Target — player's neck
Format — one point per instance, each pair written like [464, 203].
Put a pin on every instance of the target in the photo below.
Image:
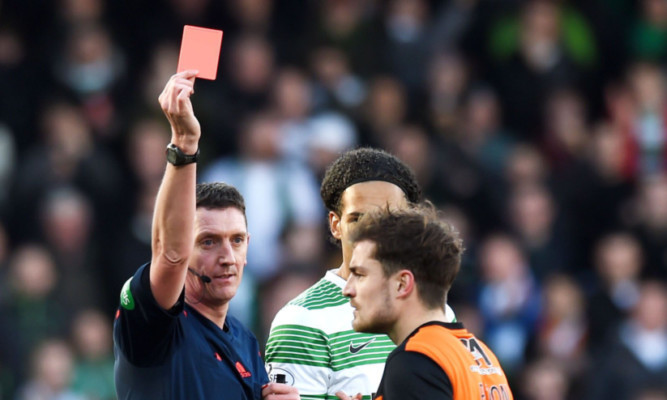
[412, 318]
[217, 314]
[344, 270]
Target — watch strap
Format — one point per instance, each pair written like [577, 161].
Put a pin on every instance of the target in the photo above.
[177, 157]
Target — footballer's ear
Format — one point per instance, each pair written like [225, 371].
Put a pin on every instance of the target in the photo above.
[405, 283]
[334, 225]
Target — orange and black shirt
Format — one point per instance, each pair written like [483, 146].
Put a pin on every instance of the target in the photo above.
[443, 361]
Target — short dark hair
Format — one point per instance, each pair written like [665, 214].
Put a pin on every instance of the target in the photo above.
[214, 195]
[416, 239]
[363, 165]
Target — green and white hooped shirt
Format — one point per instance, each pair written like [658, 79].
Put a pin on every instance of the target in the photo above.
[313, 344]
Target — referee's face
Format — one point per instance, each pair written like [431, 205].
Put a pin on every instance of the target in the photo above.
[221, 245]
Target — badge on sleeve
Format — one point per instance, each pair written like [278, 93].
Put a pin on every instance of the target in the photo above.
[126, 299]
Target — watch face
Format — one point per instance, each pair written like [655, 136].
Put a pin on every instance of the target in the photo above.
[176, 157]
[172, 157]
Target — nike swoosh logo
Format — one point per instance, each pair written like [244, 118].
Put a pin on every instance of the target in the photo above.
[355, 349]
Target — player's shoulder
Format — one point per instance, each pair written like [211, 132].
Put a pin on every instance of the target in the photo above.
[322, 308]
[436, 335]
[323, 294]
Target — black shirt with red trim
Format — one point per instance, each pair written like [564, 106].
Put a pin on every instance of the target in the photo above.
[180, 354]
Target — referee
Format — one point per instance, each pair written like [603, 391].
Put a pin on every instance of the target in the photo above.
[173, 338]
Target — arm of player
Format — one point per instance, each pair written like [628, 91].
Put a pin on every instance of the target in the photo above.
[173, 219]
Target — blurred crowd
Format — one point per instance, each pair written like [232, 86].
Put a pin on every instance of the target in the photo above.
[539, 128]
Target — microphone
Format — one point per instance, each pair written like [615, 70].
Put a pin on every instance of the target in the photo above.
[204, 278]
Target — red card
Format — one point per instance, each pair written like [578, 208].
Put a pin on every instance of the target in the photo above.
[200, 50]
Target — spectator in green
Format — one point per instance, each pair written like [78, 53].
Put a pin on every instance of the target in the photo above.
[574, 32]
[648, 38]
[93, 364]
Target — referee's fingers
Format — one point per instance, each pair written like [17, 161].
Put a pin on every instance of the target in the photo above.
[342, 395]
[280, 391]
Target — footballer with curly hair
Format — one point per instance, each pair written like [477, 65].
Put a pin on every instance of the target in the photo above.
[312, 341]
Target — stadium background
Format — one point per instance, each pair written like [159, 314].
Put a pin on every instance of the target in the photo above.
[539, 127]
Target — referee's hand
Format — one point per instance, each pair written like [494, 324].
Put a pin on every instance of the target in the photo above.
[343, 396]
[280, 391]
[177, 107]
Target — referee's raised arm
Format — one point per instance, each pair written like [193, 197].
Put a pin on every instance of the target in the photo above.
[174, 216]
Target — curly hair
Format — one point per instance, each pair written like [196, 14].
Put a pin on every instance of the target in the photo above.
[363, 165]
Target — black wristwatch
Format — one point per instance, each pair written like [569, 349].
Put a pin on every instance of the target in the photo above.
[176, 157]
